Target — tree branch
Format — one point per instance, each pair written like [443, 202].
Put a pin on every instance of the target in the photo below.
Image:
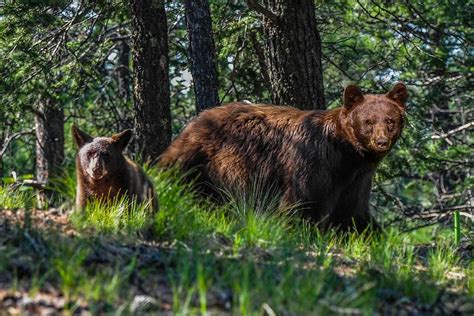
[257, 7]
[453, 131]
[12, 138]
[260, 59]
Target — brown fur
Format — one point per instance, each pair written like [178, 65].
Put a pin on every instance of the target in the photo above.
[323, 160]
[103, 172]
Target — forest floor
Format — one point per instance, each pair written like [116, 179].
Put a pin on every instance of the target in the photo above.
[199, 261]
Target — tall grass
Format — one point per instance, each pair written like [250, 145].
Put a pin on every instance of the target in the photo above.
[119, 215]
[12, 199]
[442, 259]
[64, 187]
[256, 218]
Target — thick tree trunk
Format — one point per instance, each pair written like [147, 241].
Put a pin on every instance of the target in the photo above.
[292, 50]
[151, 81]
[49, 129]
[202, 53]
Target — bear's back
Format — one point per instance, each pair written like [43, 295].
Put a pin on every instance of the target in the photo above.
[237, 144]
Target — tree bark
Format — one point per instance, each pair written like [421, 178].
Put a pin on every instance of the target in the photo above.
[49, 129]
[2, 140]
[151, 81]
[292, 49]
[123, 79]
[123, 71]
[202, 53]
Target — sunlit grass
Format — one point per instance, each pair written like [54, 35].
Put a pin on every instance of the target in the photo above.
[261, 257]
[120, 215]
[12, 199]
[256, 218]
[181, 215]
[470, 278]
[35, 261]
[393, 265]
[294, 253]
[441, 260]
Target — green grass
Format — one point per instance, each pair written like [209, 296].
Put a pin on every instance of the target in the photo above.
[65, 265]
[442, 258]
[12, 199]
[64, 187]
[119, 216]
[248, 255]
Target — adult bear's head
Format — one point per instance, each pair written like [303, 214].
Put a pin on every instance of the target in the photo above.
[373, 122]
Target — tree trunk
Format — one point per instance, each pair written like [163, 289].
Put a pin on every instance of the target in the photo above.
[49, 129]
[151, 81]
[2, 140]
[123, 71]
[122, 76]
[292, 51]
[202, 53]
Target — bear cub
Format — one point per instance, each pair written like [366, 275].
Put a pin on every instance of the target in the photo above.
[321, 161]
[103, 172]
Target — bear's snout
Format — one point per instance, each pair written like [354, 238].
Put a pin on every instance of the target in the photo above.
[382, 143]
[96, 168]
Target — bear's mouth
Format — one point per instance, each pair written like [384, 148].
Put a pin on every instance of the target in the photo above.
[380, 148]
[100, 177]
[96, 175]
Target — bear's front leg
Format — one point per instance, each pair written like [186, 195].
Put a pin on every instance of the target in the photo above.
[352, 210]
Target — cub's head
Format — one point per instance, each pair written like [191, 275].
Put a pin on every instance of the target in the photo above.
[374, 121]
[99, 157]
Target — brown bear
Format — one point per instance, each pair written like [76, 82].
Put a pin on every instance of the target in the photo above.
[103, 172]
[322, 161]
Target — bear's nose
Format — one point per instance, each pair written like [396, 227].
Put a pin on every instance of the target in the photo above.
[97, 171]
[382, 143]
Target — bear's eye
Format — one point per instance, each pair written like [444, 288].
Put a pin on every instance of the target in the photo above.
[90, 154]
[369, 122]
[390, 121]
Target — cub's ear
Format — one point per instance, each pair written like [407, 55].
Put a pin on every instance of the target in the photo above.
[80, 138]
[121, 139]
[352, 96]
[398, 94]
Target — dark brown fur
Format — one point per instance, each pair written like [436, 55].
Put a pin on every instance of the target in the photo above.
[103, 172]
[323, 160]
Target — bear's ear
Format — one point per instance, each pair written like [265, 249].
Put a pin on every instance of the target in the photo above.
[80, 138]
[352, 96]
[121, 139]
[398, 94]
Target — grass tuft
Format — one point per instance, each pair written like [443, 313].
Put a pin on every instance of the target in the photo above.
[257, 218]
[117, 216]
[12, 199]
[442, 259]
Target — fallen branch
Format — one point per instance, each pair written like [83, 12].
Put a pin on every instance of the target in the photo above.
[29, 183]
[454, 131]
[441, 215]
